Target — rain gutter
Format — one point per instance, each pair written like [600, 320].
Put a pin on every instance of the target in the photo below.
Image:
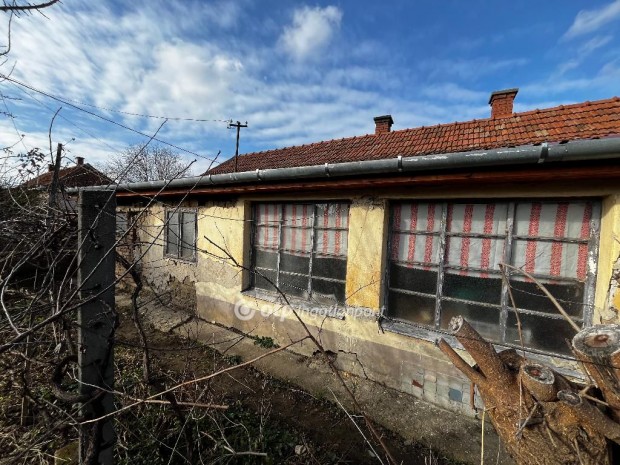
[579, 150]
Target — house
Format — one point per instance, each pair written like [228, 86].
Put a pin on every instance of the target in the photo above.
[80, 175]
[379, 240]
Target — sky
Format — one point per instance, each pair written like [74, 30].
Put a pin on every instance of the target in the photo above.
[296, 72]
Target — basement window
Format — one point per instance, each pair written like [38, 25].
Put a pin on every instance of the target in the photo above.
[444, 262]
[301, 249]
[180, 234]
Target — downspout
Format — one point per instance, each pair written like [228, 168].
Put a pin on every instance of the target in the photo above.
[581, 150]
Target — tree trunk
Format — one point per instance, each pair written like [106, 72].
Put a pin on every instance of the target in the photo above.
[541, 416]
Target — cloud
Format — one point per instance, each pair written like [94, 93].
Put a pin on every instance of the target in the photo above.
[472, 68]
[311, 31]
[583, 52]
[588, 21]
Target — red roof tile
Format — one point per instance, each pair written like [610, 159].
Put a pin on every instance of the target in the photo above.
[567, 122]
[74, 176]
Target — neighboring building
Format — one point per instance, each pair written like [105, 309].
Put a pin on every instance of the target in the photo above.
[379, 240]
[80, 175]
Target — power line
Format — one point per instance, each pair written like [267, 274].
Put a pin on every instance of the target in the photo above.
[65, 102]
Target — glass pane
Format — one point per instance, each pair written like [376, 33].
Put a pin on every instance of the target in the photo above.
[487, 290]
[413, 279]
[484, 319]
[416, 217]
[297, 239]
[539, 332]
[412, 308]
[262, 283]
[477, 218]
[294, 285]
[551, 258]
[332, 215]
[295, 263]
[331, 242]
[268, 214]
[267, 237]
[329, 267]
[188, 235]
[299, 215]
[265, 259]
[473, 252]
[172, 234]
[327, 292]
[570, 296]
[558, 219]
[415, 248]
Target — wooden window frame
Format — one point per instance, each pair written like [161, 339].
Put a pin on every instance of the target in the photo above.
[181, 227]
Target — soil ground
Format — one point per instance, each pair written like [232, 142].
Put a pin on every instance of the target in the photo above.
[324, 430]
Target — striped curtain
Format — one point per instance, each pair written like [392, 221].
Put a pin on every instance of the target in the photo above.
[566, 220]
[330, 230]
[546, 248]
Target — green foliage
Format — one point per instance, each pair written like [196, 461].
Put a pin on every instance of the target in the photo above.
[265, 342]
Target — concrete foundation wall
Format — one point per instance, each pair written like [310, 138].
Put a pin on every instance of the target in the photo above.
[218, 282]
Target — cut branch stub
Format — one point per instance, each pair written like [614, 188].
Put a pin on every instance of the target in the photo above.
[598, 347]
[482, 351]
[590, 415]
[539, 381]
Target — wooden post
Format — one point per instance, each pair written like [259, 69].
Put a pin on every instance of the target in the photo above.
[96, 321]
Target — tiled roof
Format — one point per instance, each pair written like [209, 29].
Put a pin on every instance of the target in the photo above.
[74, 176]
[586, 120]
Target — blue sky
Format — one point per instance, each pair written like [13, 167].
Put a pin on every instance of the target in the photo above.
[296, 72]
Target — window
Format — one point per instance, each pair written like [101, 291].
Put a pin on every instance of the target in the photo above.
[444, 262]
[180, 234]
[302, 248]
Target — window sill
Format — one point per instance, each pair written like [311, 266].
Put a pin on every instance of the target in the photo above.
[424, 333]
[184, 261]
[296, 303]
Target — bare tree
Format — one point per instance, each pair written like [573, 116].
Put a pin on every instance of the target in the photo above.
[146, 164]
[542, 416]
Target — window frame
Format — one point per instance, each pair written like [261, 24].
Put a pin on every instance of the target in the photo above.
[433, 333]
[181, 211]
[272, 295]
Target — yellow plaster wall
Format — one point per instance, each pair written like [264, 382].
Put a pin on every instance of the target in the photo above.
[366, 253]
[221, 232]
[609, 250]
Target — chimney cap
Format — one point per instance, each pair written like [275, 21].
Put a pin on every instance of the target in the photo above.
[498, 93]
[79, 160]
[384, 119]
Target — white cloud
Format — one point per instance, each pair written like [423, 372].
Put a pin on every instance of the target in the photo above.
[311, 31]
[588, 21]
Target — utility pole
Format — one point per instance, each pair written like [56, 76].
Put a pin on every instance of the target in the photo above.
[237, 125]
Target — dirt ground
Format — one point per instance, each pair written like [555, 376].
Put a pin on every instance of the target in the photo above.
[322, 431]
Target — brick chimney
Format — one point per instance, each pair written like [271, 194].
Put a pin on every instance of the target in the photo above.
[383, 124]
[501, 102]
[79, 160]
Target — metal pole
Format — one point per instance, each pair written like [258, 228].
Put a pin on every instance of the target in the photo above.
[96, 320]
